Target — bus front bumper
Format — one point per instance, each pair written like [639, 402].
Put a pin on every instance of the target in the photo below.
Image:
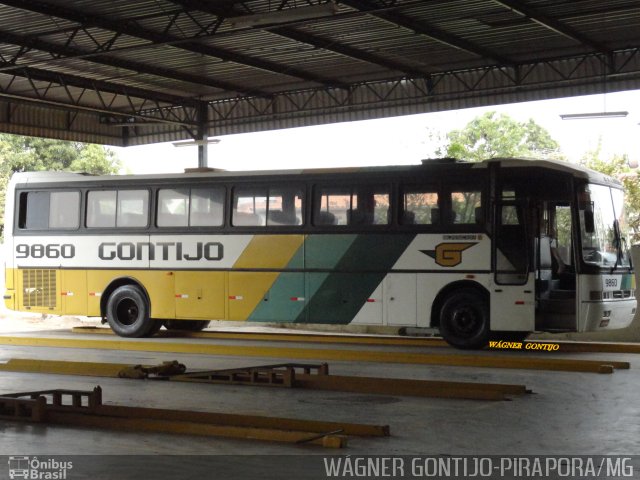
[610, 315]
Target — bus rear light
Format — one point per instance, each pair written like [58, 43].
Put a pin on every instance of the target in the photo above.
[519, 302]
[236, 297]
[297, 299]
[181, 295]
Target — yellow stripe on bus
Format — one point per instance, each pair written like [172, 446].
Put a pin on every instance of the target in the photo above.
[269, 251]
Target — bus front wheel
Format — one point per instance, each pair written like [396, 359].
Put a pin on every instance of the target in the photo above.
[128, 312]
[464, 319]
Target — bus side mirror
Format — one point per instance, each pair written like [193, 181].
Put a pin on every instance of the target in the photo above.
[589, 223]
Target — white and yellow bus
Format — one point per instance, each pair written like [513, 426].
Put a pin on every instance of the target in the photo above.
[498, 248]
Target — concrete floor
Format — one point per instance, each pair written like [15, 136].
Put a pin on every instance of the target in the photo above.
[569, 413]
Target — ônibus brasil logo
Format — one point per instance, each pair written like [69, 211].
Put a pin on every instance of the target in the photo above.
[33, 468]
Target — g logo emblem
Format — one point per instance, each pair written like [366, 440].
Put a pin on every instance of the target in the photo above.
[448, 254]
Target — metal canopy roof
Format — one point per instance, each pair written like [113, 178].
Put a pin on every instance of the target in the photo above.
[127, 72]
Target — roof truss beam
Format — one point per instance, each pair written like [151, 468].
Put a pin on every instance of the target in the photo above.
[132, 29]
[347, 51]
[442, 91]
[46, 87]
[426, 30]
[309, 39]
[61, 52]
[553, 25]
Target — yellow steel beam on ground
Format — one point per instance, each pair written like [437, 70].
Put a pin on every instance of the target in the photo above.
[112, 370]
[384, 386]
[93, 369]
[288, 337]
[453, 359]
[313, 426]
[400, 386]
[84, 408]
[566, 346]
[594, 347]
[194, 428]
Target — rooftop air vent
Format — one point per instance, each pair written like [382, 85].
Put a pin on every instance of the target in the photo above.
[446, 160]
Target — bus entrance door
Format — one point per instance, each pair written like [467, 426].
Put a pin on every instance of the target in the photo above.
[556, 284]
[512, 293]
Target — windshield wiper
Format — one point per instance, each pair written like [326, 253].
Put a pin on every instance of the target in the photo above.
[616, 233]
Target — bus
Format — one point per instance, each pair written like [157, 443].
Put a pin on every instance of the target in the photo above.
[489, 250]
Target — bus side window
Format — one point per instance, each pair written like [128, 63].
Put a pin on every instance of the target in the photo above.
[196, 207]
[173, 207]
[133, 208]
[285, 206]
[206, 207]
[362, 205]
[101, 209]
[117, 208]
[249, 207]
[466, 207]
[381, 212]
[49, 210]
[64, 210]
[420, 207]
[34, 211]
[333, 206]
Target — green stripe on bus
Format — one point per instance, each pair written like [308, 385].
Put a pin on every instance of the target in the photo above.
[338, 296]
[627, 282]
[286, 298]
[289, 294]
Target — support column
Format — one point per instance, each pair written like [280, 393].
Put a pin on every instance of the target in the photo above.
[203, 133]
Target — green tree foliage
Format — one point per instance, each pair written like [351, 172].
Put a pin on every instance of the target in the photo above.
[618, 167]
[23, 154]
[498, 135]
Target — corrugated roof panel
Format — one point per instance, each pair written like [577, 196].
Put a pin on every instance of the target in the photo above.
[274, 77]
[28, 23]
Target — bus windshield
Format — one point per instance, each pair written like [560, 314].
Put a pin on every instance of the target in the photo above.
[605, 242]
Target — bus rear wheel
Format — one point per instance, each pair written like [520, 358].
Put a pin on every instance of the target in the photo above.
[128, 312]
[464, 319]
[186, 325]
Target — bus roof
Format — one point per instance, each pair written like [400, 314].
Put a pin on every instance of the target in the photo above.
[559, 165]
[575, 170]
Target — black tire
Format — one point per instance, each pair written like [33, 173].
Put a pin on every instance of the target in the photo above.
[464, 319]
[186, 325]
[155, 328]
[128, 312]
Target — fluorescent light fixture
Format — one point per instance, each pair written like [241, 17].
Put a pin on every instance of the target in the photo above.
[278, 17]
[591, 115]
[192, 143]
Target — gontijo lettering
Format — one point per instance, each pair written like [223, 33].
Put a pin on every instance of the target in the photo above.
[213, 251]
